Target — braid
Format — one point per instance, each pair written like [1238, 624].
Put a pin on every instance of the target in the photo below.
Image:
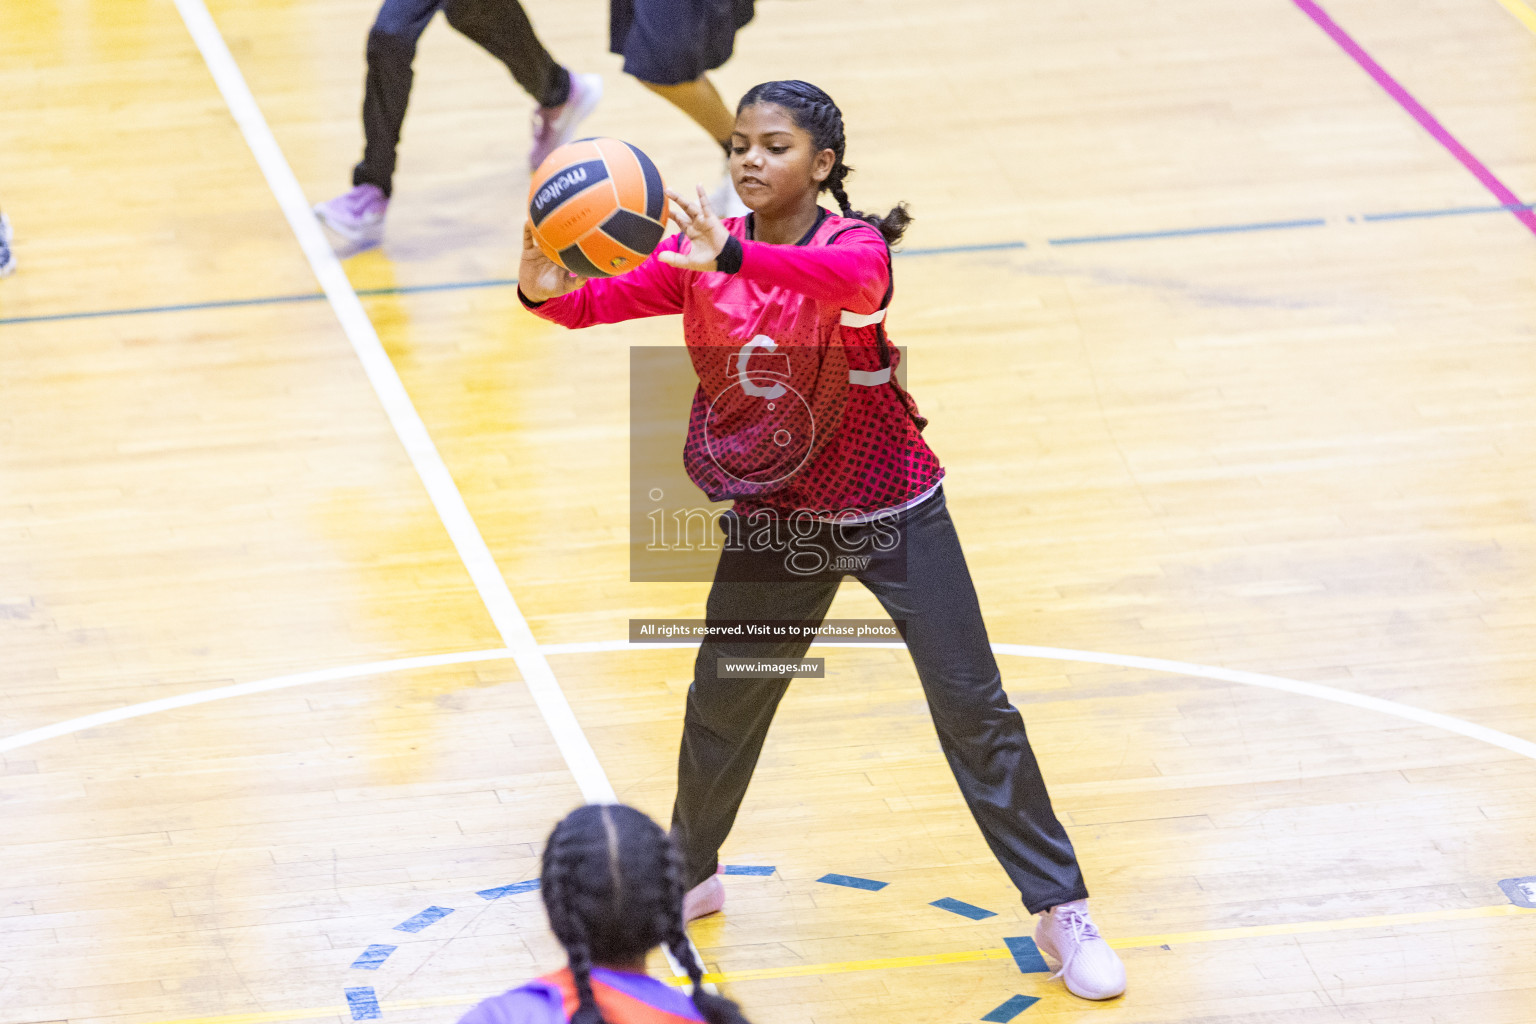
[815, 112]
[670, 911]
[566, 923]
[715, 1009]
[587, 1011]
[613, 885]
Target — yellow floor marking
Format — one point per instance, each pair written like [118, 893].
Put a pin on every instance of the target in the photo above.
[1526, 15]
[964, 956]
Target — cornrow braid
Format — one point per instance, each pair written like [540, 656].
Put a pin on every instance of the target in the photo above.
[568, 926]
[814, 112]
[714, 1008]
[613, 884]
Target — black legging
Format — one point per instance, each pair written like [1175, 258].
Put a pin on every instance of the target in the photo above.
[926, 588]
[500, 26]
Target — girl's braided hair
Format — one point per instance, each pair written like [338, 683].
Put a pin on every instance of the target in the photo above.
[612, 883]
[814, 112]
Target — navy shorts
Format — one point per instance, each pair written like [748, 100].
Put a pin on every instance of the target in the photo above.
[669, 42]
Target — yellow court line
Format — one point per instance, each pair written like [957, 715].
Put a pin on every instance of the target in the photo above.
[964, 956]
[1526, 15]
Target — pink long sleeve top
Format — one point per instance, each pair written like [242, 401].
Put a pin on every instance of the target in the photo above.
[797, 408]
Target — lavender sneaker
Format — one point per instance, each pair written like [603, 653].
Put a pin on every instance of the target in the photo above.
[7, 258]
[553, 127]
[1089, 967]
[357, 216]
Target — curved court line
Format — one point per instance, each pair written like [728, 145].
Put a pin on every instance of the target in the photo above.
[1407, 712]
[186, 700]
[932, 959]
[1515, 744]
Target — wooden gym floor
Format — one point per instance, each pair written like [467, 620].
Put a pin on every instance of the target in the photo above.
[1228, 352]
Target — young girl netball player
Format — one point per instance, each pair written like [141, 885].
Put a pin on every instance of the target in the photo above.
[809, 288]
[612, 883]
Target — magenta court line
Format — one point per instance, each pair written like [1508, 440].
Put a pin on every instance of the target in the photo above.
[1414, 107]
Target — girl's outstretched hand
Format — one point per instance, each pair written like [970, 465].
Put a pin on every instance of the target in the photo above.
[538, 276]
[706, 235]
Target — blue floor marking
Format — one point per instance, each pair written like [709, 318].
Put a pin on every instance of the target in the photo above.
[508, 890]
[363, 1003]
[429, 916]
[1454, 211]
[505, 282]
[853, 883]
[1027, 955]
[1217, 229]
[270, 300]
[946, 250]
[748, 869]
[447, 286]
[373, 957]
[975, 913]
[1011, 1009]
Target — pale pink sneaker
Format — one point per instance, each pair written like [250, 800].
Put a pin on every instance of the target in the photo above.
[357, 215]
[1089, 967]
[553, 127]
[705, 898]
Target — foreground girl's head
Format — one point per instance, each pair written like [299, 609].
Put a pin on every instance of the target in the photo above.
[612, 883]
[814, 114]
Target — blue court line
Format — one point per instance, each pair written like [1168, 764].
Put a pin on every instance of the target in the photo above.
[1215, 229]
[373, 957]
[946, 250]
[507, 282]
[962, 908]
[508, 890]
[1011, 1009]
[853, 883]
[429, 916]
[363, 1003]
[748, 869]
[270, 300]
[448, 286]
[1027, 955]
[1454, 211]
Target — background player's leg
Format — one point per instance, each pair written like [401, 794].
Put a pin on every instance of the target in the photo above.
[387, 89]
[727, 719]
[926, 586]
[358, 215]
[669, 45]
[503, 29]
[700, 100]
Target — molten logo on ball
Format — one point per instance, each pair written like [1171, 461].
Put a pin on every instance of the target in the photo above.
[597, 207]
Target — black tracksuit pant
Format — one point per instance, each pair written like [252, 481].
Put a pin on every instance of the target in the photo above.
[926, 588]
[500, 26]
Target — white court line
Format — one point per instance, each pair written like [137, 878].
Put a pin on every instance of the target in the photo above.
[1434, 719]
[1472, 730]
[509, 621]
[186, 700]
